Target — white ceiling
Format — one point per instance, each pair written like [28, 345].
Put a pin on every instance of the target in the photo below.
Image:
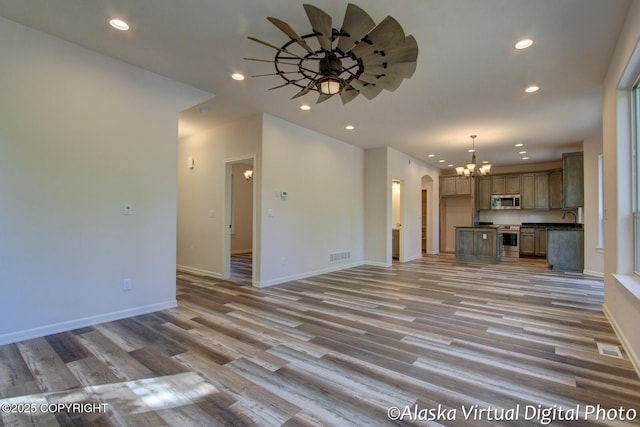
[469, 78]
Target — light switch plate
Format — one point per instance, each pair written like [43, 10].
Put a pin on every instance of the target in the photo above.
[127, 209]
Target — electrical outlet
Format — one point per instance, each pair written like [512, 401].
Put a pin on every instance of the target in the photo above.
[126, 284]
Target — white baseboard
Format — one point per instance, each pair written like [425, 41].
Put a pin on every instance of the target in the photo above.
[633, 357]
[378, 263]
[198, 271]
[598, 274]
[433, 252]
[70, 325]
[292, 277]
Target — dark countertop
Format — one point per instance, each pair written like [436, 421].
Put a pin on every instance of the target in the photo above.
[554, 225]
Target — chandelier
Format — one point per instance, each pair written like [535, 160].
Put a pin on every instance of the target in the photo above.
[472, 169]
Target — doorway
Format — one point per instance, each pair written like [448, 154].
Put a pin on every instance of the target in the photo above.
[239, 222]
[396, 220]
[423, 222]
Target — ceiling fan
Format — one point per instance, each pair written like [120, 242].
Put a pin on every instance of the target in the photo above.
[359, 58]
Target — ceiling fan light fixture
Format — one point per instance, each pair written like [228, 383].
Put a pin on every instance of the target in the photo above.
[330, 85]
[330, 68]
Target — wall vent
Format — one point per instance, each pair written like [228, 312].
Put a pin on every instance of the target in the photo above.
[339, 257]
[609, 350]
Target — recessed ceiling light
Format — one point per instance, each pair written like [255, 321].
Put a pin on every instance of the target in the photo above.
[349, 127]
[305, 107]
[432, 155]
[119, 24]
[484, 162]
[532, 89]
[522, 152]
[523, 44]
[519, 145]
[450, 166]
[525, 158]
[440, 161]
[237, 76]
[471, 150]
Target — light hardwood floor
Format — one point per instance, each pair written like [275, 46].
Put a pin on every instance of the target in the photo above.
[339, 349]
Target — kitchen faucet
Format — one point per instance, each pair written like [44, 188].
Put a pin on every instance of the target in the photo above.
[575, 217]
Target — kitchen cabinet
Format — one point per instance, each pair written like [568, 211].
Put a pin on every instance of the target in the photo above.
[498, 184]
[478, 244]
[533, 241]
[534, 190]
[541, 191]
[566, 249]
[541, 242]
[455, 186]
[573, 179]
[483, 193]
[512, 184]
[505, 184]
[555, 189]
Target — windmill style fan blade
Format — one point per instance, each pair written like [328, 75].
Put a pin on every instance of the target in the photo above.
[357, 23]
[289, 82]
[348, 95]
[285, 28]
[385, 34]
[389, 83]
[321, 24]
[406, 51]
[273, 47]
[270, 60]
[400, 69]
[323, 97]
[368, 90]
[305, 91]
[275, 74]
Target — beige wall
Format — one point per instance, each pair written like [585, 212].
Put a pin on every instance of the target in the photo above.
[323, 211]
[593, 252]
[382, 165]
[202, 225]
[82, 134]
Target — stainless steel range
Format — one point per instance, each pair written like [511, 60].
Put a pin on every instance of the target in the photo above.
[510, 241]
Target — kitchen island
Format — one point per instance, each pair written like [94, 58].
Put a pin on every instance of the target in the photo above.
[563, 245]
[479, 244]
[565, 249]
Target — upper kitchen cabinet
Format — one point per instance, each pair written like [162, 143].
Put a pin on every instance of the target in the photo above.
[555, 189]
[535, 191]
[505, 184]
[573, 180]
[455, 186]
[483, 192]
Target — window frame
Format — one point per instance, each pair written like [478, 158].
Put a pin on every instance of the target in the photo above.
[635, 172]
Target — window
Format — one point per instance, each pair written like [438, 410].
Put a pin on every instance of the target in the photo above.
[635, 182]
[600, 202]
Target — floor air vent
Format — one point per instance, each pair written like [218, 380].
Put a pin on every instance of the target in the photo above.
[609, 350]
[339, 257]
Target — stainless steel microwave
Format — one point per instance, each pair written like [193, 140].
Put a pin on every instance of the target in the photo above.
[505, 201]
